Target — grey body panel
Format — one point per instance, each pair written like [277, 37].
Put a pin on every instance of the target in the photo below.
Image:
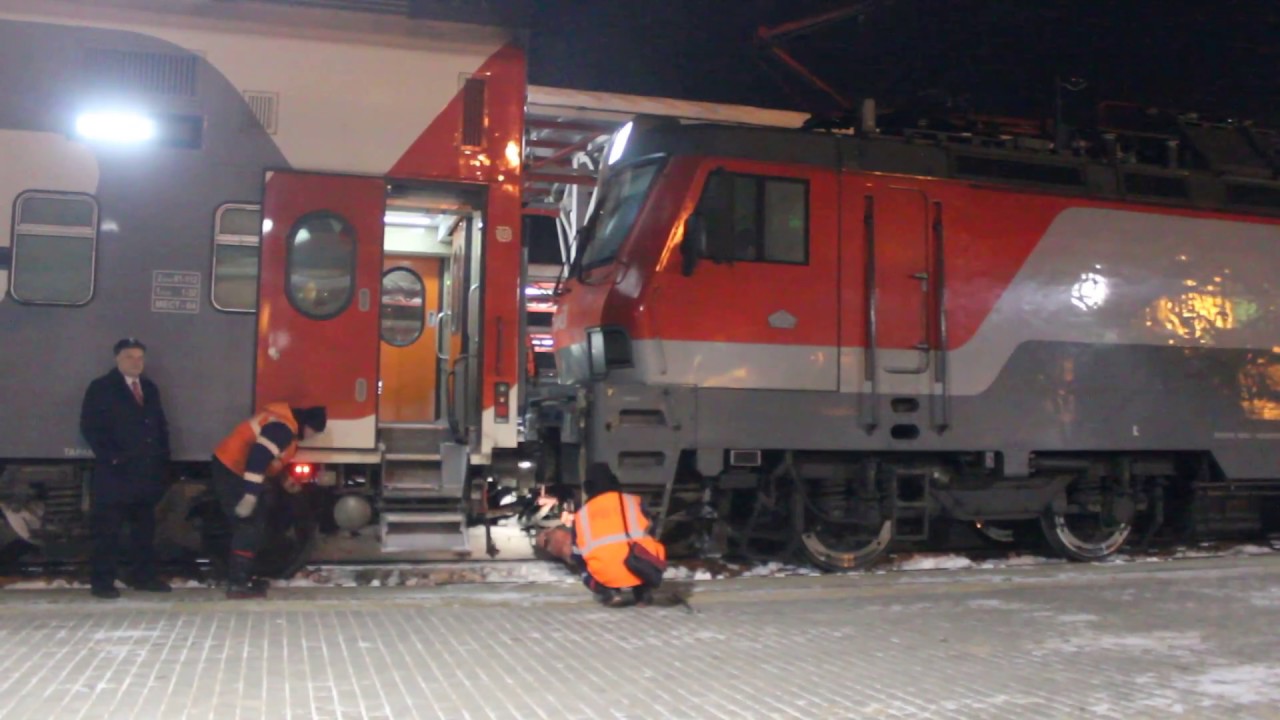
[162, 201]
[1115, 398]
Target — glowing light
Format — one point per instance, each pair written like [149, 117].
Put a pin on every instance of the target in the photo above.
[115, 127]
[1089, 292]
[1194, 316]
[1259, 382]
[619, 143]
[408, 219]
[512, 154]
[524, 464]
[267, 225]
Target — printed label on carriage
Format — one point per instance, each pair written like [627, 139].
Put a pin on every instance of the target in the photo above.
[175, 291]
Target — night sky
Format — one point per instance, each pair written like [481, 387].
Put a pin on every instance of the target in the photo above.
[989, 56]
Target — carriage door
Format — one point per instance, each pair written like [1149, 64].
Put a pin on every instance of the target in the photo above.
[460, 397]
[904, 357]
[321, 272]
[410, 314]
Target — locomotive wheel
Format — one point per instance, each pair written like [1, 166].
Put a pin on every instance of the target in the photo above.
[839, 545]
[862, 555]
[1083, 537]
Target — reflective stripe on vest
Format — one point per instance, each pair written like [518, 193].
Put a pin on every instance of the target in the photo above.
[233, 451]
[631, 505]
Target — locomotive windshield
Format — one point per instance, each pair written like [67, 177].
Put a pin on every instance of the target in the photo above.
[621, 197]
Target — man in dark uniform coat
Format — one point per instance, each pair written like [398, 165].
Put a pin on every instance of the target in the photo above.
[123, 421]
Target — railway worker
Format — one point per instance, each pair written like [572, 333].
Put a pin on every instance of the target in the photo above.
[604, 530]
[256, 451]
[123, 421]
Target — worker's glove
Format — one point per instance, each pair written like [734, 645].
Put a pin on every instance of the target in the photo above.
[244, 508]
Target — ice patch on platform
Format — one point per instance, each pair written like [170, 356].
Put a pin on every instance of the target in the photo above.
[1246, 684]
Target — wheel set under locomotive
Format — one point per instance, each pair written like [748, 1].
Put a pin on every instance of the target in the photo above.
[844, 511]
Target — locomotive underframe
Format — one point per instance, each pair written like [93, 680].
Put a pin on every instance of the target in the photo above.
[843, 507]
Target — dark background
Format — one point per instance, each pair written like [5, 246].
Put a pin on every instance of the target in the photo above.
[997, 57]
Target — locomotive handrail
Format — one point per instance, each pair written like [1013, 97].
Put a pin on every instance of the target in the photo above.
[922, 363]
[942, 398]
[442, 354]
[870, 408]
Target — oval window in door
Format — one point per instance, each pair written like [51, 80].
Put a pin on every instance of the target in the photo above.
[403, 307]
[321, 265]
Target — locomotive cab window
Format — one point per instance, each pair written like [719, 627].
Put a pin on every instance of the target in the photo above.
[55, 239]
[321, 265]
[235, 258]
[755, 219]
[621, 197]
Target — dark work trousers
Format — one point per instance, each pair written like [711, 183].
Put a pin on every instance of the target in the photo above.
[246, 533]
[105, 521]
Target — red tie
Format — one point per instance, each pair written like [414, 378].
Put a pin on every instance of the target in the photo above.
[137, 391]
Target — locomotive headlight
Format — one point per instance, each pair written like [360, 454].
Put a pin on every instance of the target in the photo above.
[115, 127]
[1089, 292]
[620, 143]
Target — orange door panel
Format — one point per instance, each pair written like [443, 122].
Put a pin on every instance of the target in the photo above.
[321, 266]
[409, 367]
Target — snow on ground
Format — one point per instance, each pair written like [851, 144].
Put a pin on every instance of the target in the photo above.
[428, 574]
[934, 562]
[1188, 645]
[1233, 551]
[536, 571]
[1247, 684]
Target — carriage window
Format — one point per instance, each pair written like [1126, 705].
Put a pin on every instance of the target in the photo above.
[321, 265]
[54, 242]
[235, 258]
[403, 309]
[767, 218]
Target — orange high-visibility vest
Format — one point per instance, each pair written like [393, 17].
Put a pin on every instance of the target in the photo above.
[233, 451]
[602, 537]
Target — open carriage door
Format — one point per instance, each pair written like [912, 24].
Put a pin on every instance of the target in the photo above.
[320, 276]
[462, 308]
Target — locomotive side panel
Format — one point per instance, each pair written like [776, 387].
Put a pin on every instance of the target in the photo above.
[1066, 325]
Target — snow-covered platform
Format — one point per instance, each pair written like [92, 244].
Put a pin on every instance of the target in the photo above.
[1192, 638]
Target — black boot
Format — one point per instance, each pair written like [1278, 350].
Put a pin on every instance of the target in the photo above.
[612, 598]
[240, 582]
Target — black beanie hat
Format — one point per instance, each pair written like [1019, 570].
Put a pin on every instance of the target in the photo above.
[313, 417]
[600, 479]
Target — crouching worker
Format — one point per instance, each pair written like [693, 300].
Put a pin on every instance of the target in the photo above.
[256, 451]
[612, 547]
